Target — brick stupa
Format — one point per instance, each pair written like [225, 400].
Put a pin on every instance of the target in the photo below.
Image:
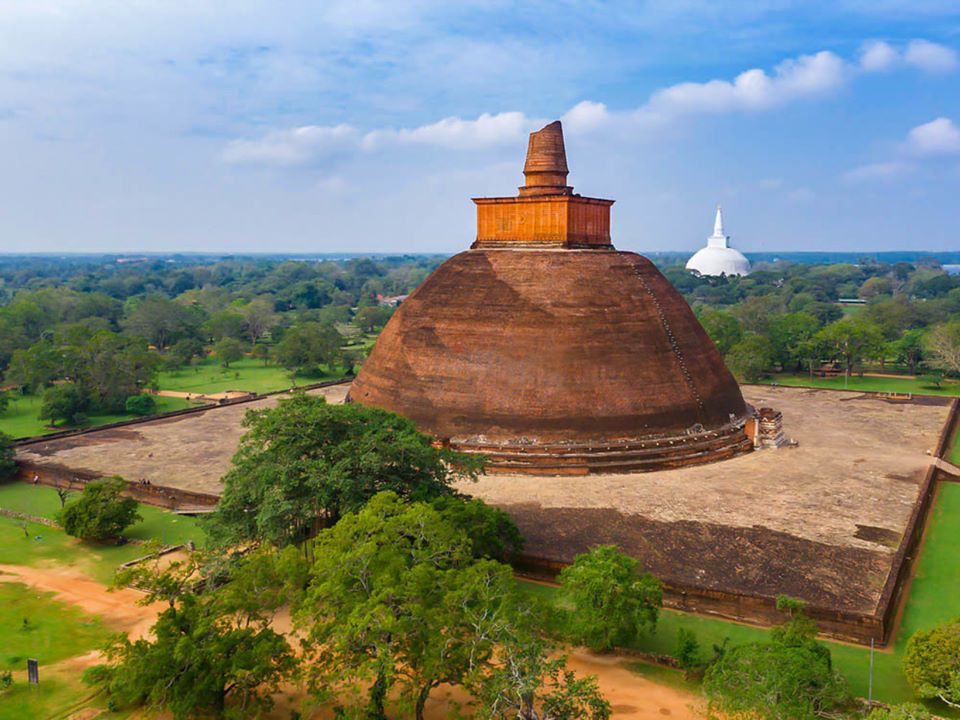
[549, 351]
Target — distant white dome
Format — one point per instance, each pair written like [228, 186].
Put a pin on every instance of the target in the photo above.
[718, 258]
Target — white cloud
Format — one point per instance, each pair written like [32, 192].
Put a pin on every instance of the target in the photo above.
[584, 117]
[930, 57]
[880, 171]
[878, 55]
[754, 90]
[937, 137]
[455, 133]
[292, 147]
[793, 79]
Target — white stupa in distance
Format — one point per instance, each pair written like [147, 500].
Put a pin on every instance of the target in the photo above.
[718, 258]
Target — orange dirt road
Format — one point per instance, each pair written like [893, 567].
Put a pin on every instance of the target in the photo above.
[118, 608]
[630, 695]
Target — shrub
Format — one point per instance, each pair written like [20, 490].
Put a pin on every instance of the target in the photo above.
[141, 404]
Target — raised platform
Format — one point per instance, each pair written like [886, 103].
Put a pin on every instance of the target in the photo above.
[831, 521]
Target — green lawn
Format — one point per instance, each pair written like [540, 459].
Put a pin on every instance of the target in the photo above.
[54, 547]
[20, 419]
[249, 375]
[933, 599]
[157, 523]
[53, 630]
[865, 384]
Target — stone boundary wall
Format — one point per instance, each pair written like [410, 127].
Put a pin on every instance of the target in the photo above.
[759, 610]
[62, 477]
[33, 440]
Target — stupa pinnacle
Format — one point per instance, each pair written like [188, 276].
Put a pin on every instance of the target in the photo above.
[550, 352]
[545, 170]
[546, 212]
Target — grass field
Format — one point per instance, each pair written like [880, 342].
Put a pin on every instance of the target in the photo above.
[249, 375]
[47, 546]
[932, 600]
[157, 523]
[20, 419]
[865, 384]
[33, 624]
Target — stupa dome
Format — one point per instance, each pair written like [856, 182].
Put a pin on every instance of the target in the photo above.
[718, 258]
[550, 352]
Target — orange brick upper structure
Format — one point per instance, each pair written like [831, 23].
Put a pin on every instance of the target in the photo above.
[547, 213]
[550, 352]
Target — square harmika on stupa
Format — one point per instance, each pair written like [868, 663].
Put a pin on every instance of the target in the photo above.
[551, 352]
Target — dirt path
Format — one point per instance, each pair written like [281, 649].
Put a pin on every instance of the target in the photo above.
[630, 695]
[118, 608]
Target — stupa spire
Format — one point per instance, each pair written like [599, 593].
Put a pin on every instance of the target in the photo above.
[719, 237]
[546, 167]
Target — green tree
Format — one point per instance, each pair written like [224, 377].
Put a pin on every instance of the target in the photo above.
[908, 349]
[750, 358]
[789, 334]
[228, 350]
[258, 317]
[4, 402]
[397, 604]
[34, 368]
[210, 654]
[492, 533]
[304, 463]
[305, 347]
[143, 404]
[374, 612]
[789, 677]
[851, 341]
[370, 319]
[932, 663]
[99, 512]
[261, 351]
[613, 602]
[111, 367]
[224, 324]
[722, 327]
[67, 402]
[161, 321]
[8, 454]
[183, 352]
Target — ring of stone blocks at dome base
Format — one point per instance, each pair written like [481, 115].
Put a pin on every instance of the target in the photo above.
[639, 455]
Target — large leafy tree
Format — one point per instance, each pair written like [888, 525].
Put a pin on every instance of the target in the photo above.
[851, 341]
[67, 402]
[397, 605]
[210, 654]
[791, 677]
[932, 663]
[788, 335]
[99, 512]
[750, 357]
[722, 327]
[305, 463]
[161, 321]
[305, 347]
[612, 601]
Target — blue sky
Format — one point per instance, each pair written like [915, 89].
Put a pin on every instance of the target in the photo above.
[361, 125]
